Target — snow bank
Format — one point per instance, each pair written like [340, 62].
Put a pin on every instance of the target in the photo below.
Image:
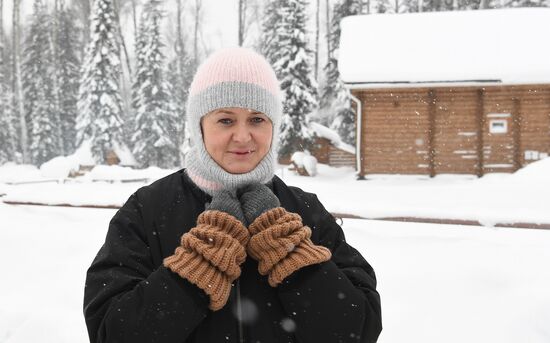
[11, 172]
[298, 158]
[538, 171]
[306, 161]
[61, 166]
[118, 173]
[310, 164]
[490, 200]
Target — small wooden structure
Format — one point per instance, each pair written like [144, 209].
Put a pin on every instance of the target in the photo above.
[329, 149]
[458, 102]
[112, 158]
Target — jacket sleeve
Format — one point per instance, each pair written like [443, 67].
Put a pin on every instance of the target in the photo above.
[334, 301]
[127, 298]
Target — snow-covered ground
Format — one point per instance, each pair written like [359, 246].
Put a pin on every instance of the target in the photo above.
[495, 198]
[438, 283]
[521, 197]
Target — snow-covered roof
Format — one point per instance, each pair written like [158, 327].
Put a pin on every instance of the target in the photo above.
[503, 46]
[324, 132]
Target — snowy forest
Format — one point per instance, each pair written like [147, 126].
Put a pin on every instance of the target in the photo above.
[71, 72]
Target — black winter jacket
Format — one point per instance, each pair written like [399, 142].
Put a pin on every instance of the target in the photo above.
[131, 297]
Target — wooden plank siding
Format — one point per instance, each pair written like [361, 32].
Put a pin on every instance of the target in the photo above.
[455, 138]
[535, 123]
[447, 129]
[341, 158]
[395, 139]
[327, 153]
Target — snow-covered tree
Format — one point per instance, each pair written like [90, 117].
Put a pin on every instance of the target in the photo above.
[100, 104]
[68, 65]
[335, 97]
[286, 48]
[155, 138]
[41, 114]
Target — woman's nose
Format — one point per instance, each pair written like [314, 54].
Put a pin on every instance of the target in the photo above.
[242, 133]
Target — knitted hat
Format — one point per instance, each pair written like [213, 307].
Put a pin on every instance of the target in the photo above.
[231, 77]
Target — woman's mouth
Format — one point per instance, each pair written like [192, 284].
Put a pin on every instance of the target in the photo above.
[242, 152]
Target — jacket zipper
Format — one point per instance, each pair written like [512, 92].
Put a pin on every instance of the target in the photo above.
[239, 313]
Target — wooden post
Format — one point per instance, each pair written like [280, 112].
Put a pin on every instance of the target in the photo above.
[516, 133]
[480, 125]
[431, 131]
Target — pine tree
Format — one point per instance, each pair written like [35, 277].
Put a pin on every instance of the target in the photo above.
[155, 137]
[41, 115]
[335, 97]
[285, 47]
[99, 103]
[68, 64]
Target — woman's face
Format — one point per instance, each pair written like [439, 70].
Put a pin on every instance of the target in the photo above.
[237, 138]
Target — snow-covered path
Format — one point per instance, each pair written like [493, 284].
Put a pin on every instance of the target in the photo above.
[438, 283]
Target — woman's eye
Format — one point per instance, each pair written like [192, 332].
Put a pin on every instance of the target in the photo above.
[225, 121]
[257, 120]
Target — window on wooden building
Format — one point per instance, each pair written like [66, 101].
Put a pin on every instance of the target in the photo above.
[498, 126]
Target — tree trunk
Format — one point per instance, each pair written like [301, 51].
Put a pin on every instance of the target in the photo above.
[327, 14]
[241, 22]
[16, 83]
[121, 37]
[2, 26]
[198, 4]
[179, 70]
[86, 7]
[179, 34]
[134, 16]
[55, 77]
[317, 20]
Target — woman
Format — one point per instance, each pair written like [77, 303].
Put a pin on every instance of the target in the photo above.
[224, 251]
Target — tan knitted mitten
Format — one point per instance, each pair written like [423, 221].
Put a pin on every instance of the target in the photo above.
[282, 245]
[210, 255]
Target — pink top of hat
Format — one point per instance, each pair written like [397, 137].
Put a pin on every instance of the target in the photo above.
[235, 64]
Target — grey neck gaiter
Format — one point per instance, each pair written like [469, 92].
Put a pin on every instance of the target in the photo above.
[210, 177]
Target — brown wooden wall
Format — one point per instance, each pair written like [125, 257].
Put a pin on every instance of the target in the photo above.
[395, 124]
[446, 129]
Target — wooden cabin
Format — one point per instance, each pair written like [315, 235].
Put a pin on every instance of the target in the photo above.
[449, 92]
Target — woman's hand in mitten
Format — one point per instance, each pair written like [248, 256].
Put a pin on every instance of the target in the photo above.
[257, 199]
[210, 254]
[279, 241]
[226, 201]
